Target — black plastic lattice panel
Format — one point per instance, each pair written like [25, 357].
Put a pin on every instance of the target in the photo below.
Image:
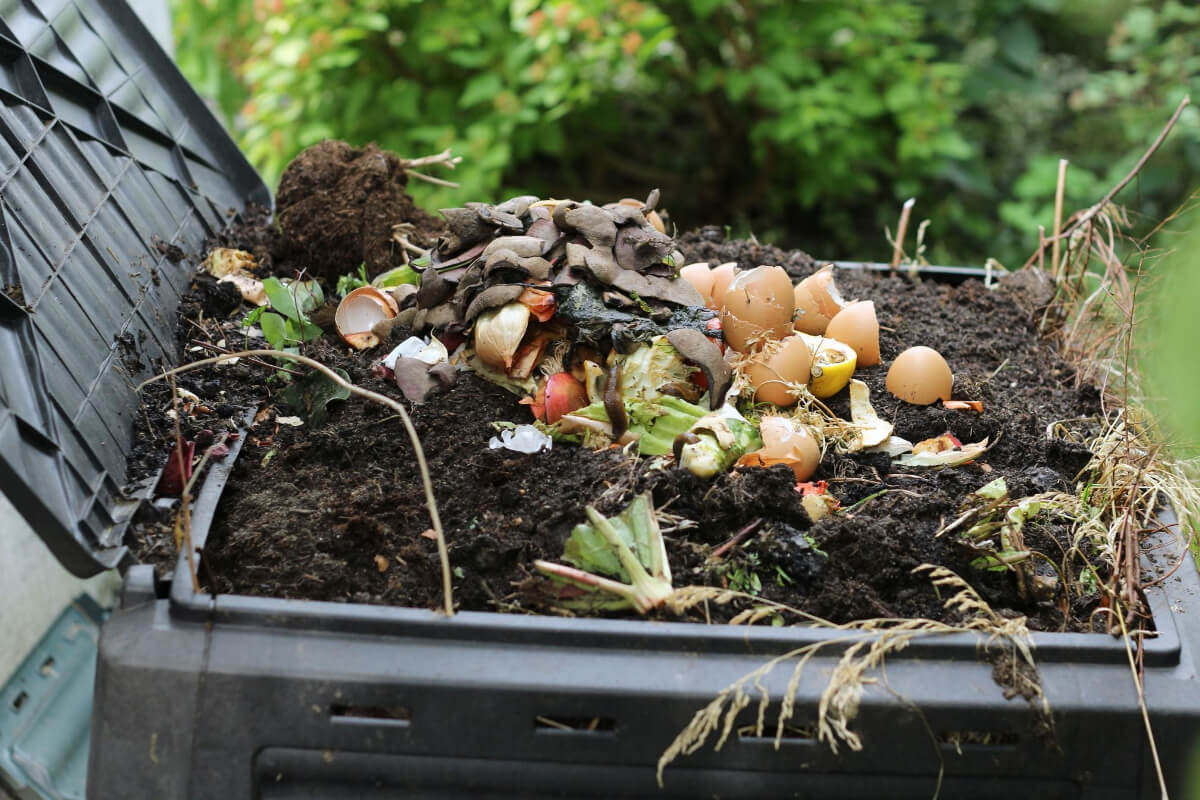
[105, 151]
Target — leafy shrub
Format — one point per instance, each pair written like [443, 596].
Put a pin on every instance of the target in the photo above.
[807, 123]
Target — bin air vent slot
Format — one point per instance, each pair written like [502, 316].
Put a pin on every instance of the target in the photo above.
[396, 716]
[791, 733]
[544, 723]
[978, 739]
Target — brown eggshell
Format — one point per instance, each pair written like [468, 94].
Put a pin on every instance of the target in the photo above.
[857, 326]
[722, 276]
[817, 301]
[700, 276]
[920, 376]
[758, 305]
[773, 372]
[787, 443]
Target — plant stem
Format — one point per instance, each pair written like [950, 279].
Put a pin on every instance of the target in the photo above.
[423, 467]
[1058, 206]
[901, 232]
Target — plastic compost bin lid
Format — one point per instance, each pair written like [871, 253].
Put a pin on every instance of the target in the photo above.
[107, 154]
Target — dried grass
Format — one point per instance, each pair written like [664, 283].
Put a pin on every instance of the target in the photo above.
[865, 646]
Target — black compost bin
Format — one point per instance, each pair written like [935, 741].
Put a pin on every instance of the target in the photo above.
[110, 163]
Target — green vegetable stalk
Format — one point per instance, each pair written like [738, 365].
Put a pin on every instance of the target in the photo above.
[655, 423]
[628, 549]
[716, 441]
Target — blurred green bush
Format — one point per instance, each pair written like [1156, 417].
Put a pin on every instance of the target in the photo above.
[807, 123]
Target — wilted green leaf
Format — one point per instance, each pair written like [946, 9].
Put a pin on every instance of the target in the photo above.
[312, 394]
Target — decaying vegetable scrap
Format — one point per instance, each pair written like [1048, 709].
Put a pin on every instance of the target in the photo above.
[616, 563]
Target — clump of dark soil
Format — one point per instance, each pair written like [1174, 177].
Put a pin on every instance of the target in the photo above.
[336, 512]
[710, 244]
[338, 206]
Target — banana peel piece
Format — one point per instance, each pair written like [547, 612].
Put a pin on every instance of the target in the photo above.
[873, 431]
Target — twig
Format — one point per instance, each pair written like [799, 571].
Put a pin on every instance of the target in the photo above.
[443, 159]
[183, 520]
[901, 231]
[1141, 162]
[225, 350]
[435, 181]
[1141, 695]
[734, 541]
[423, 467]
[1080, 218]
[1058, 205]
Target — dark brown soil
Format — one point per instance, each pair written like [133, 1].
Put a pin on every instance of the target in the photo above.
[337, 512]
[337, 207]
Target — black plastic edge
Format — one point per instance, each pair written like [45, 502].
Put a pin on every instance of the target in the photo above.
[206, 125]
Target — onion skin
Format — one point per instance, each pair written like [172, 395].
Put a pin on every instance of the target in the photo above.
[498, 334]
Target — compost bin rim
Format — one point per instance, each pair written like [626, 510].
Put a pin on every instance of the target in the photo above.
[1162, 649]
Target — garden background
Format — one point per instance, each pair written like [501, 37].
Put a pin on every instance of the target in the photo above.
[806, 124]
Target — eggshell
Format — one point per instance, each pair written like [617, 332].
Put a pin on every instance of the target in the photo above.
[787, 443]
[722, 276]
[817, 301]
[701, 277]
[773, 372]
[758, 305]
[857, 326]
[359, 311]
[920, 376]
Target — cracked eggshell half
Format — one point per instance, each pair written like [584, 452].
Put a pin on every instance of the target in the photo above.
[783, 365]
[758, 306]
[857, 326]
[920, 376]
[359, 311]
[785, 442]
[817, 301]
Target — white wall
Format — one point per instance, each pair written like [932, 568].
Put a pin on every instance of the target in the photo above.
[34, 589]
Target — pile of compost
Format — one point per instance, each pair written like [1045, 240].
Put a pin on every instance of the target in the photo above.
[332, 508]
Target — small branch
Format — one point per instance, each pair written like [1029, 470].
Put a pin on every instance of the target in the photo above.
[435, 181]
[901, 232]
[734, 541]
[1094, 210]
[1058, 208]
[1081, 218]
[430, 500]
[213, 348]
[442, 159]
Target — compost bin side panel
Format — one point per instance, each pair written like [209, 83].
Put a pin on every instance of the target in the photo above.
[148, 678]
[449, 702]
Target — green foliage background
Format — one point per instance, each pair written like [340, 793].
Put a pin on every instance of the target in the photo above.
[806, 123]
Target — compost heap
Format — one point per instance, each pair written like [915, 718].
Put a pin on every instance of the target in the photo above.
[589, 314]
